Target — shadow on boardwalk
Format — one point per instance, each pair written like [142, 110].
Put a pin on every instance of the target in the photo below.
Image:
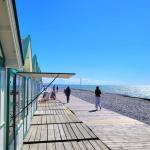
[55, 127]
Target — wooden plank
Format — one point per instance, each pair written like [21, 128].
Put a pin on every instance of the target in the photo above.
[57, 133]
[51, 133]
[101, 145]
[89, 131]
[35, 120]
[48, 119]
[44, 120]
[60, 118]
[95, 145]
[82, 146]
[60, 146]
[43, 136]
[73, 136]
[76, 145]
[74, 117]
[68, 136]
[77, 131]
[38, 133]
[68, 146]
[52, 119]
[28, 135]
[52, 112]
[51, 146]
[57, 120]
[62, 133]
[64, 119]
[68, 118]
[26, 147]
[33, 134]
[44, 133]
[57, 112]
[83, 131]
[88, 145]
[33, 146]
[39, 119]
[71, 117]
[42, 146]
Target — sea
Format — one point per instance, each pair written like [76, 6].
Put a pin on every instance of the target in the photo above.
[141, 91]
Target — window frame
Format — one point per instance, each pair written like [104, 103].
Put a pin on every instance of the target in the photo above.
[2, 58]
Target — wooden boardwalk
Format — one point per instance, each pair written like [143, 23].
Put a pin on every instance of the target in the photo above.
[55, 127]
[115, 130]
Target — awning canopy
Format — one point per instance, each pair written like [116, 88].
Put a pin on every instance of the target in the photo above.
[46, 74]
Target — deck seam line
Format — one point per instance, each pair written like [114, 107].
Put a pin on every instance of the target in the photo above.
[34, 124]
[69, 140]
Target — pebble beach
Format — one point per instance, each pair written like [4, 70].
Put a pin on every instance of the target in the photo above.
[136, 108]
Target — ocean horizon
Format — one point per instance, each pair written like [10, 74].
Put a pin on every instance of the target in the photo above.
[141, 91]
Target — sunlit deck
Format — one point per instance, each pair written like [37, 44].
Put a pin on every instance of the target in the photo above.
[55, 127]
[115, 130]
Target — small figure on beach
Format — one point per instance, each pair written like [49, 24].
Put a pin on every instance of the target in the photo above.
[67, 92]
[57, 88]
[97, 98]
[53, 95]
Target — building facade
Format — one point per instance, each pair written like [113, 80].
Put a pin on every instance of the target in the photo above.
[17, 92]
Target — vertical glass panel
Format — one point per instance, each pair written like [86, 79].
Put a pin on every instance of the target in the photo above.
[1, 52]
[19, 98]
[11, 96]
[29, 94]
[0, 98]
[2, 94]
[26, 96]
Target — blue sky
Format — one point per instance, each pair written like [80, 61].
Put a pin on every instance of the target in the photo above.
[103, 42]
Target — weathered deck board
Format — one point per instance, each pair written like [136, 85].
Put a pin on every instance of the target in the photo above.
[26, 147]
[34, 147]
[66, 131]
[68, 146]
[76, 131]
[51, 146]
[51, 133]
[42, 146]
[76, 146]
[60, 146]
[82, 145]
[62, 132]
[52, 119]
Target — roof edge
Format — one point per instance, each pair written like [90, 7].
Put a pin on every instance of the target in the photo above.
[18, 30]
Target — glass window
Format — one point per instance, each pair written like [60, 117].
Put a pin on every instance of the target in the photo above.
[11, 96]
[26, 96]
[2, 94]
[0, 98]
[1, 55]
[19, 98]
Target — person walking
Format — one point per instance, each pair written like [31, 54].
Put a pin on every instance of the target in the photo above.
[54, 88]
[97, 98]
[57, 88]
[67, 93]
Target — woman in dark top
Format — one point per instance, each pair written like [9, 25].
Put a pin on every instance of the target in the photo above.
[97, 98]
[68, 92]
